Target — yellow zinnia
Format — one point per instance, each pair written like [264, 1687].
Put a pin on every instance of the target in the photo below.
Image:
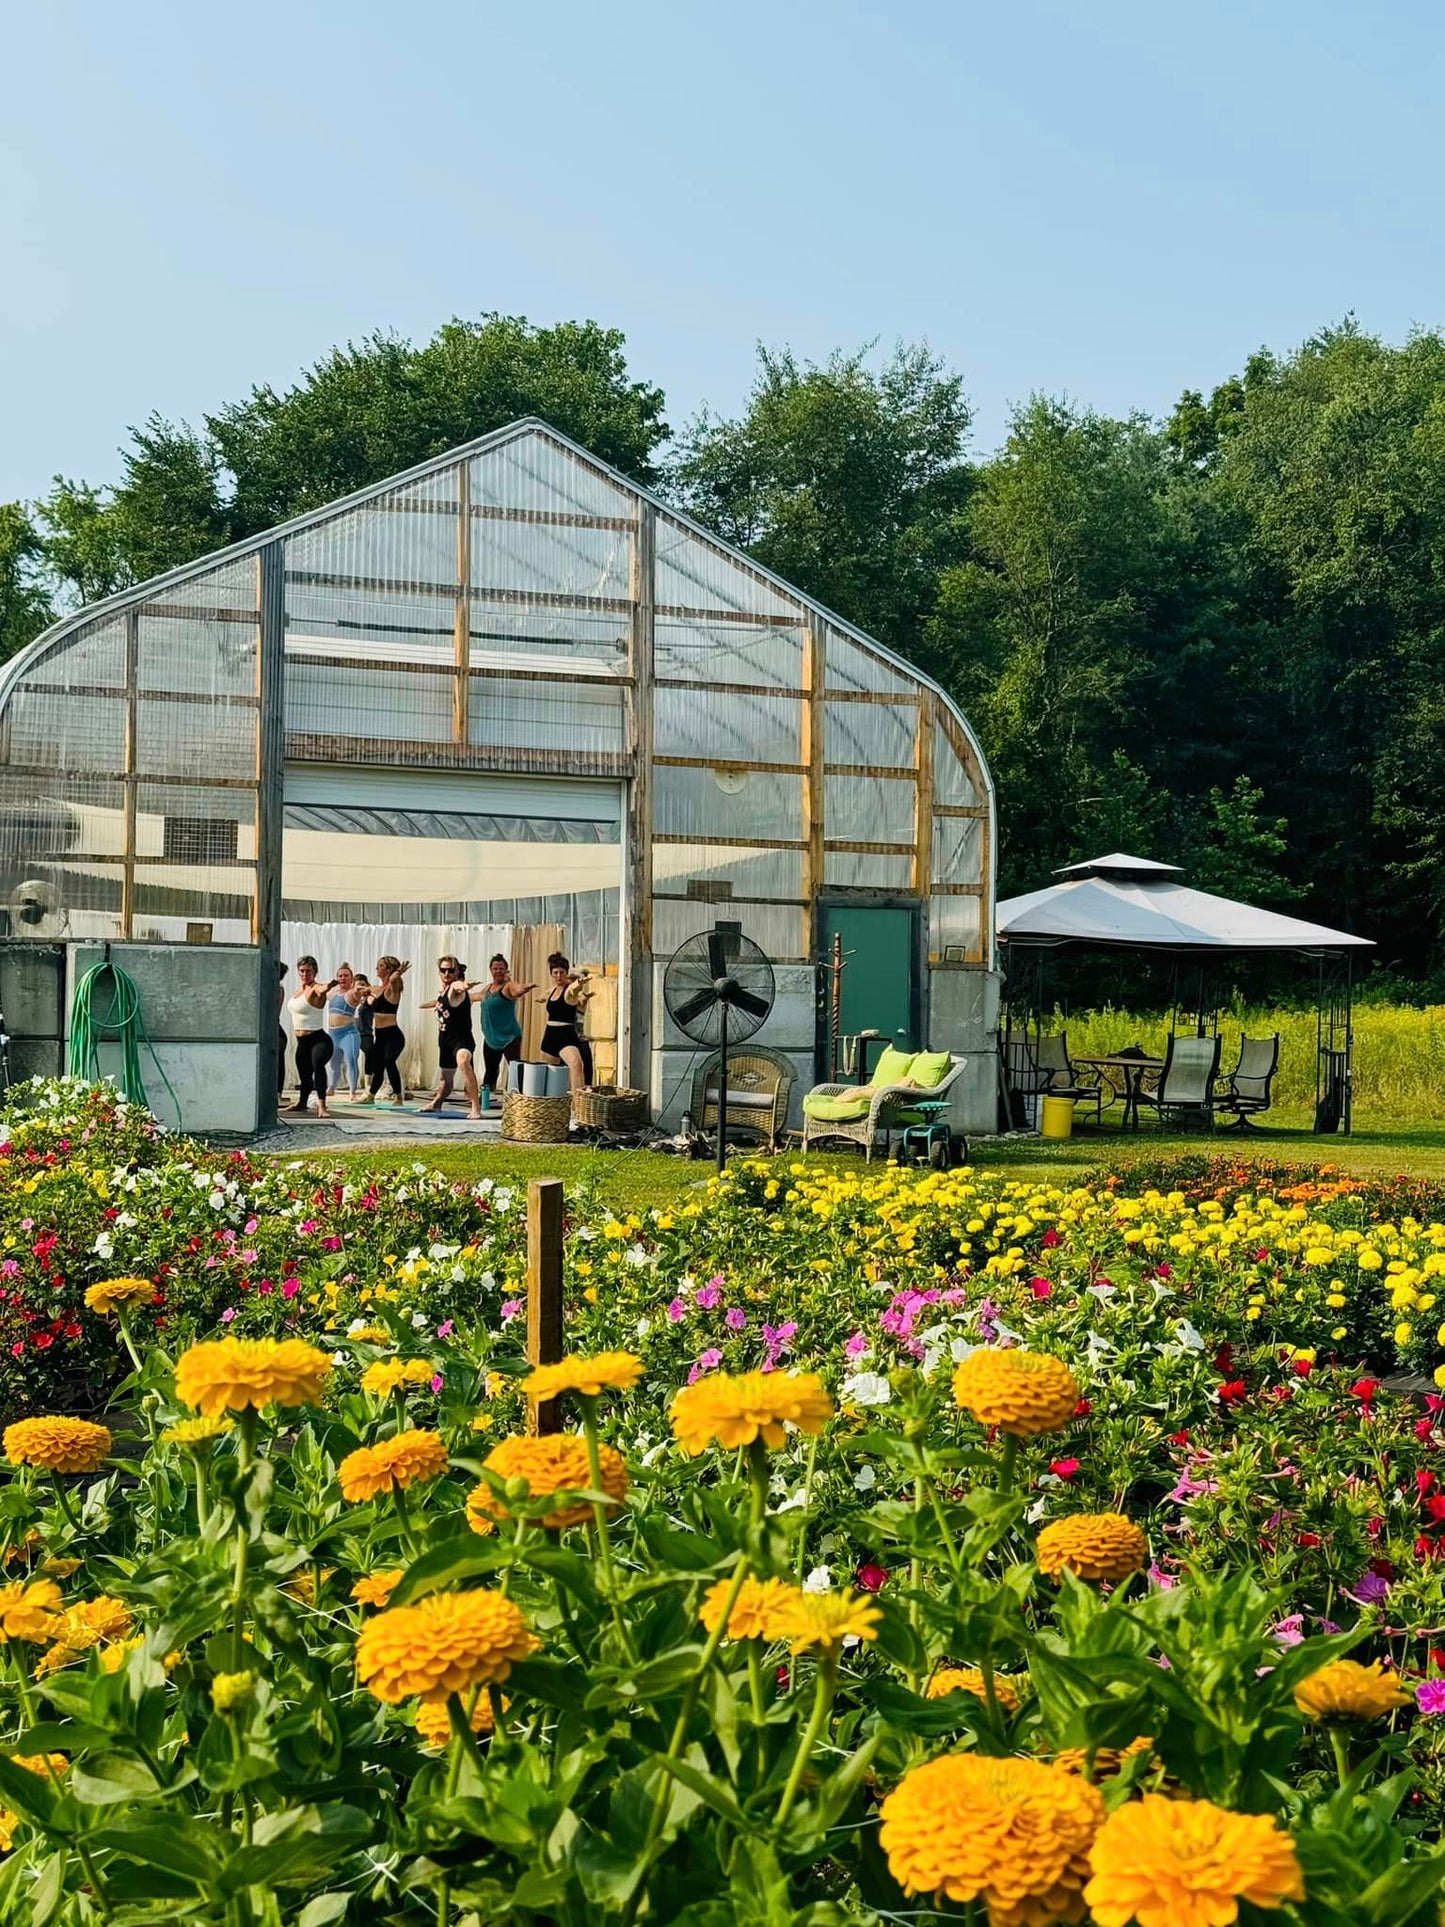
[197, 1431]
[445, 1644]
[29, 1610]
[968, 1679]
[1346, 1690]
[230, 1374]
[57, 1444]
[1188, 1863]
[1022, 1393]
[391, 1465]
[823, 1620]
[761, 1610]
[1093, 1545]
[377, 1587]
[1013, 1833]
[434, 1725]
[556, 1463]
[112, 1294]
[607, 1371]
[388, 1374]
[736, 1409]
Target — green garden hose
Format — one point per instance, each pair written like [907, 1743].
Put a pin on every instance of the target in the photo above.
[120, 1021]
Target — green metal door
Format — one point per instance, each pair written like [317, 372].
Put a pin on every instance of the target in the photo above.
[880, 975]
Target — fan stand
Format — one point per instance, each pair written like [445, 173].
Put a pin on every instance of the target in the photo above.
[722, 1093]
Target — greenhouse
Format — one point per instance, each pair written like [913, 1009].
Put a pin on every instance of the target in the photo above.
[507, 701]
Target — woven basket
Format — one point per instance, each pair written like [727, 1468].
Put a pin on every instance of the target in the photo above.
[535, 1120]
[604, 1108]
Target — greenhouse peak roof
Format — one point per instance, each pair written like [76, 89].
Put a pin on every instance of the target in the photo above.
[494, 439]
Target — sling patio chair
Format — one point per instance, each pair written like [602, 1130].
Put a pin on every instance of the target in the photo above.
[1248, 1088]
[1185, 1092]
[1023, 1078]
[1066, 1079]
[862, 1113]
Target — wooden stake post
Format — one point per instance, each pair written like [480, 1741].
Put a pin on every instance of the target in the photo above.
[544, 1292]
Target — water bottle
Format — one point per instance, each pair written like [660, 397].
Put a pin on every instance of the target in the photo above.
[687, 1124]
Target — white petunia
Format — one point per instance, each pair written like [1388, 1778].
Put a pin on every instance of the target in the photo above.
[818, 1580]
[864, 1479]
[866, 1388]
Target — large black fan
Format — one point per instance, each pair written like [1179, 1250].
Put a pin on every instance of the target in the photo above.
[718, 989]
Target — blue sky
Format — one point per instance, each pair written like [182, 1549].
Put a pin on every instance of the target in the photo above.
[1114, 202]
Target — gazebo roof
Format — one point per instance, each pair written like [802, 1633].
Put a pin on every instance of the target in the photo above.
[1125, 902]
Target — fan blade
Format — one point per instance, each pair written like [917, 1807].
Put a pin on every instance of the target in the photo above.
[722, 951]
[686, 1012]
[747, 1000]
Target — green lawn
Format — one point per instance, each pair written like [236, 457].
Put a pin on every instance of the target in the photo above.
[638, 1178]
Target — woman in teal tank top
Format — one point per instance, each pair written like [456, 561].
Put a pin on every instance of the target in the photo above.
[501, 1024]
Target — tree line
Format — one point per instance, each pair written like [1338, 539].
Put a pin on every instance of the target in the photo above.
[1216, 639]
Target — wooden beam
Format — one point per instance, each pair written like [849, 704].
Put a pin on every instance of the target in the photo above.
[856, 848]
[323, 746]
[517, 598]
[189, 612]
[811, 740]
[503, 512]
[894, 772]
[730, 763]
[684, 612]
[203, 697]
[637, 939]
[462, 621]
[491, 672]
[979, 810]
[732, 688]
[923, 817]
[888, 697]
[544, 1293]
[130, 676]
[956, 890]
[730, 842]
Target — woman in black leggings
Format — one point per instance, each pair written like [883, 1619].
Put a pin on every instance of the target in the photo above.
[313, 1045]
[387, 1038]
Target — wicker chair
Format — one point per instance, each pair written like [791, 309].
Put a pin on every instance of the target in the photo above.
[882, 1114]
[760, 1089]
[1248, 1088]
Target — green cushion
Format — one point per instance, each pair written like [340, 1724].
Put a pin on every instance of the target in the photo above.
[893, 1067]
[838, 1110]
[930, 1067]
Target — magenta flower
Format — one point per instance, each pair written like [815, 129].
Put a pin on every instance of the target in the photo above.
[510, 1308]
[677, 1311]
[437, 1381]
[445, 1330]
[736, 1320]
[1430, 1697]
[856, 1346]
[1290, 1631]
[1040, 1287]
[707, 1361]
[228, 1314]
[290, 1287]
[710, 1297]
[333, 1243]
[249, 1257]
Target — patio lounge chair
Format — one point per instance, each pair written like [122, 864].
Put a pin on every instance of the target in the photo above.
[760, 1088]
[1185, 1092]
[1248, 1088]
[1051, 1054]
[861, 1113]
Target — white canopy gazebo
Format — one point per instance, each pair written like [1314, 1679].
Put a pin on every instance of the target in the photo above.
[1122, 902]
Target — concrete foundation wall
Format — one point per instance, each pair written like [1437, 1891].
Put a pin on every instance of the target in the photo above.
[963, 1016]
[208, 1010]
[32, 1001]
[790, 1030]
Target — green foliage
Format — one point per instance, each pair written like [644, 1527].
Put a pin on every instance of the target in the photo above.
[24, 601]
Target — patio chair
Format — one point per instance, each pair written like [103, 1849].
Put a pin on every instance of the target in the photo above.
[760, 1088]
[1066, 1079]
[1248, 1089]
[1186, 1084]
[1023, 1078]
[861, 1113]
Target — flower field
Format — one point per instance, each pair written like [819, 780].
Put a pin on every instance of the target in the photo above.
[914, 1547]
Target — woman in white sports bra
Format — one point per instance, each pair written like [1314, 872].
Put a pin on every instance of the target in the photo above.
[313, 1045]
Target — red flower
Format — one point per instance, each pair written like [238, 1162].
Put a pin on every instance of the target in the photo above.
[1436, 1507]
[1424, 1427]
[1428, 1548]
[1437, 1656]
[1423, 1482]
[1063, 1468]
[1224, 1359]
[72, 1331]
[1050, 1239]
[1302, 1366]
[1310, 1539]
[1083, 1408]
[1233, 1392]
[1364, 1389]
[1382, 1568]
[1179, 1438]
[1040, 1287]
[42, 1341]
[871, 1577]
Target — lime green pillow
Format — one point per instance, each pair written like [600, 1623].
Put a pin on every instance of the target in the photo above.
[892, 1068]
[838, 1110]
[930, 1067]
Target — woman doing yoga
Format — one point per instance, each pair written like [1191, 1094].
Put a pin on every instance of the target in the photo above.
[457, 1042]
[501, 1024]
[344, 1031]
[562, 1040]
[313, 1046]
[387, 1040]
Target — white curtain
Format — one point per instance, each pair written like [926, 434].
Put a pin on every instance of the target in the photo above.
[361, 944]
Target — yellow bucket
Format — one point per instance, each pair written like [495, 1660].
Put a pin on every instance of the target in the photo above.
[1057, 1119]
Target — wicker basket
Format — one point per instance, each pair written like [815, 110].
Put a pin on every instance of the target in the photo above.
[535, 1120]
[605, 1108]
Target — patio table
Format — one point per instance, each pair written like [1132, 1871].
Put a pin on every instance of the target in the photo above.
[1133, 1069]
